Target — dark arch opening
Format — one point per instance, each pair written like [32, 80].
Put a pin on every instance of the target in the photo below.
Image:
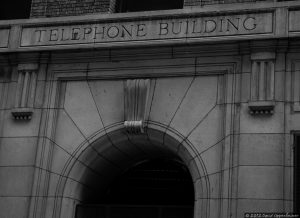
[153, 5]
[151, 188]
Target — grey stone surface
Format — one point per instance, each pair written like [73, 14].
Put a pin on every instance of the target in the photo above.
[199, 101]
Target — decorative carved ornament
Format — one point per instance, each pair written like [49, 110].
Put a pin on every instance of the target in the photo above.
[262, 84]
[25, 92]
[136, 104]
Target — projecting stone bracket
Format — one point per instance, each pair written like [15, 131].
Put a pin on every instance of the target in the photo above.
[136, 104]
[25, 91]
[261, 107]
[22, 113]
[134, 126]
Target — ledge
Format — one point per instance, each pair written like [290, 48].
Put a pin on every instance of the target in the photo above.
[22, 113]
[262, 20]
[261, 107]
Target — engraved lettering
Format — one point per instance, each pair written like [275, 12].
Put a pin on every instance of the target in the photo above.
[171, 28]
[178, 29]
[113, 32]
[75, 33]
[53, 35]
[210, 26]
[163, 29]
[86, 31]
[221, 25]
[230, 23]
[63, 38]
[194, 27]
[125, 30]
[250, 23]
[40, 34]
[141, 30]
[96, 33]
[187, 27]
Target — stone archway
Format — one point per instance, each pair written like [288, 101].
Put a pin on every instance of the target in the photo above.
[103, 160]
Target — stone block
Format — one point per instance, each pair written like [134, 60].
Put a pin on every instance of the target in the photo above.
[59, 159]
[18, 151]
[14, 207]
[212, 159]
[245, 87]
[109, 99]
[16, 181]
[198, 102]
[68, 207]
[209, 131]
[261, 182]
[21, 128]
[214, 185]
[214, 208]
[262, 123]
[81, 107]
[167, 97]
[279, 85]
[261, 149]
[68, 135]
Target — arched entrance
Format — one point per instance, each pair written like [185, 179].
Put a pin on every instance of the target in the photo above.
[109, 168]
[151, 188]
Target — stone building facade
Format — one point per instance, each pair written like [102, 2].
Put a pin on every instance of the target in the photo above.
[213, 87]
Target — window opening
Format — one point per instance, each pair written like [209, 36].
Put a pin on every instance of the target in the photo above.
[15, 9]
[153, 5]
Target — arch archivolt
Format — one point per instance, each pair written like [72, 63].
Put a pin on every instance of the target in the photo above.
[86, 158]
[185, 121]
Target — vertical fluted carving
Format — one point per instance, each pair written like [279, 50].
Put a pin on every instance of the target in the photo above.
[25, 94]
[262, 83]
[136, 103]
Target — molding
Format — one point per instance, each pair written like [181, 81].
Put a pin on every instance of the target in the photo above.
[263, 56]
[29, 67]
[22, 113]
[261, 107]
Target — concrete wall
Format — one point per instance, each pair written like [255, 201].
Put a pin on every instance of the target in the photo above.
[199, 111]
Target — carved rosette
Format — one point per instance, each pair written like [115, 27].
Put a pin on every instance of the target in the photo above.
[136, 104]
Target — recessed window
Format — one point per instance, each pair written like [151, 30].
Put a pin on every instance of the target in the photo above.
[14, 9]
[297, 173]
[143, 5]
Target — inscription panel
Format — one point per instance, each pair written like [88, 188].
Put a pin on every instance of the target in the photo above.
[4, 35]
[180, 28]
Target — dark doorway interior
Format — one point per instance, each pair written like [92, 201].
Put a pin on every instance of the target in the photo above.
[155, 188]
[140, 5]
[14, 9]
